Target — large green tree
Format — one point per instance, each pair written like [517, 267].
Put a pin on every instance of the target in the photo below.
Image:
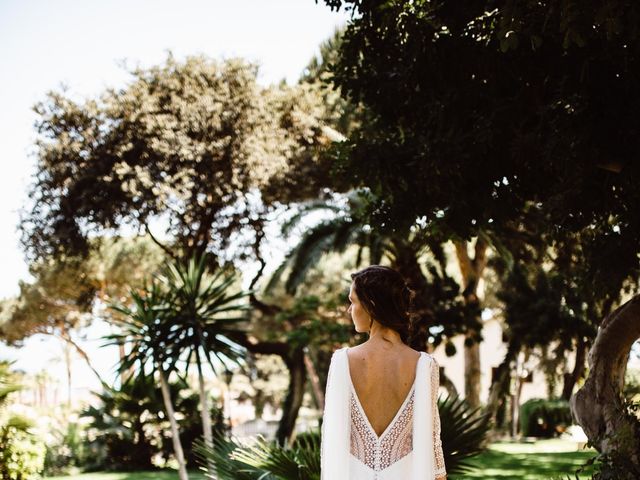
[483, 109]
[183, 150]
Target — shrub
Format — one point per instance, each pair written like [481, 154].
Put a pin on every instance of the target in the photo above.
[128, 429]
[66, 449]
[544, 418]
[21, 454]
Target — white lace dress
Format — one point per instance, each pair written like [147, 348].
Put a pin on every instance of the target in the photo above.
[410, 446]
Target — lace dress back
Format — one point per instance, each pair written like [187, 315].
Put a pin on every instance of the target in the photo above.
[389, 456]
[379, 453]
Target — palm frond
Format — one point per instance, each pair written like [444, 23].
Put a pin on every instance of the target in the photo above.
[308, 252]
[262, 459]
[217, 462]
[463, 433]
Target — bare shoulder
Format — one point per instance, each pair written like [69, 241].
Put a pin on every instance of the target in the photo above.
[364, 350]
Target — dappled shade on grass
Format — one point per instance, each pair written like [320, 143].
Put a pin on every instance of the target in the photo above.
[523, 462]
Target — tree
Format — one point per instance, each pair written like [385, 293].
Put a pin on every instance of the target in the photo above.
[496, 107]
[66, 291]
[144, 328]
[196, 147]
[202, 313]
[189, 142]
[599, 406]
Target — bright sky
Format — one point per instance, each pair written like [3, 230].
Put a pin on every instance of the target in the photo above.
[80, 43]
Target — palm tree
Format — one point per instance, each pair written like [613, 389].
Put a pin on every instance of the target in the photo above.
[144, 327]
[202, 314]
[438, 299]
[335, 234]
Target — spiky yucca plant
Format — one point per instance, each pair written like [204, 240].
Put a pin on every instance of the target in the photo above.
[261, 459]
[463, 433]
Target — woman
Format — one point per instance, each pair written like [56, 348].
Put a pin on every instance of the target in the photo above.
[381, 418]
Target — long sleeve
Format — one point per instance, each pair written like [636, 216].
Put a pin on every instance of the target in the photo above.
[334, 447]
[438, 466]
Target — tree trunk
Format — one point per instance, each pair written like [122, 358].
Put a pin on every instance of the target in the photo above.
[204, 407]
[471, 271]
[67, 362]
[293, 400]
[472, 374]
[515, 407]
[500, 385]
[315, 382]
[447, 384]
[293, 357]
[175, 431]
[598, 405]
[570, 379]
[64, 336]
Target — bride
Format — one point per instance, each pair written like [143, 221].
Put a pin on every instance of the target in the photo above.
[381, 418]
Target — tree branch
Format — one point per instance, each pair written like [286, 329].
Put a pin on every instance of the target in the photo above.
[166, 249]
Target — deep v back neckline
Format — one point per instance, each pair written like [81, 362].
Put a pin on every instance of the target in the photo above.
[398, 412]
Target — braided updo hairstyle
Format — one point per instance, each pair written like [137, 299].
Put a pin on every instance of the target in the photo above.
[386, 297]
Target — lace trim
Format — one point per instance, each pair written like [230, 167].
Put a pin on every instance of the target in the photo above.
[438, 466]
[379, 453]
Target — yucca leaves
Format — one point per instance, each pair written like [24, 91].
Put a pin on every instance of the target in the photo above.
[262, 459]
[203, 311]
[183, 310]
[463, 433]
[143, 327]
[218, 462]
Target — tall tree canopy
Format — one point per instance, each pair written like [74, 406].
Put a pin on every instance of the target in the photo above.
[183, 145]
[481, 108]
[485, 110]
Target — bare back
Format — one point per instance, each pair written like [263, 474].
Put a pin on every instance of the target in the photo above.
[382, 379]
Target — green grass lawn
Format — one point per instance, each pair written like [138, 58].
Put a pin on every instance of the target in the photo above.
[542, 460]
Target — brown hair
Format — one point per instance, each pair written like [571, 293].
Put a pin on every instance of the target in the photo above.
[385, 296]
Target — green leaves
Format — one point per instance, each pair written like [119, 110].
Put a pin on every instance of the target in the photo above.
[186, 141]
[463, 433]
[203, 310]
[480, 109]
[263, 459]
[183, 311]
